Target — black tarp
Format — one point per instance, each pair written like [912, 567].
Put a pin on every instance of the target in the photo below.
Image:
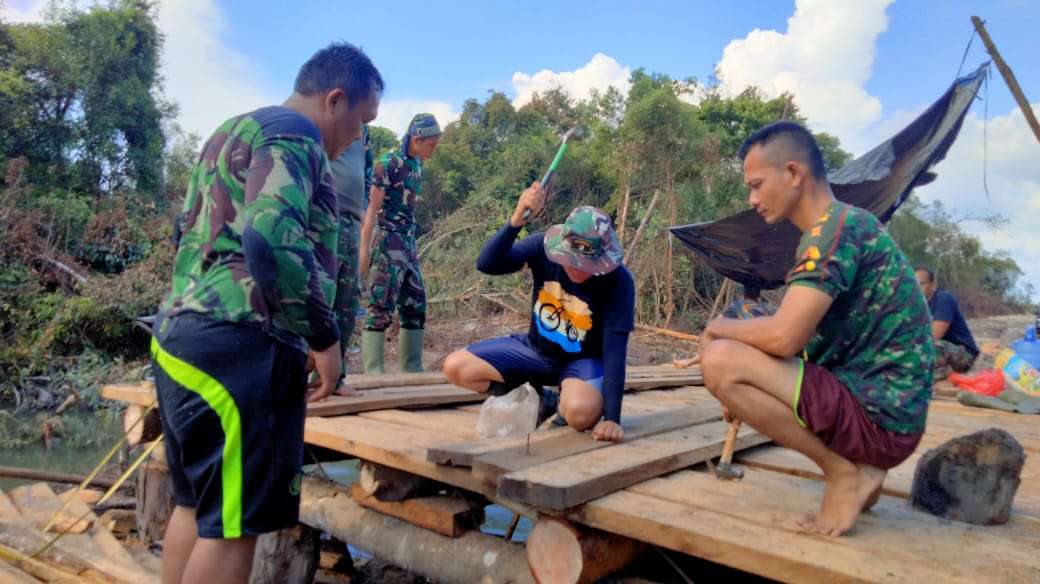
[743, 247]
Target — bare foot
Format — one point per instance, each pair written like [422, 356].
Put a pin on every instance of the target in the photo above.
[346, 391]
[849, 491]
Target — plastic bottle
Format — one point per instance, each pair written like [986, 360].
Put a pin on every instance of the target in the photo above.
[1028, 348]
[1018, 369]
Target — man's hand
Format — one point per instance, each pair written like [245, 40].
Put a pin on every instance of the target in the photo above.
[726, 416]
[533, 199]
[329, 365]
[608, 431]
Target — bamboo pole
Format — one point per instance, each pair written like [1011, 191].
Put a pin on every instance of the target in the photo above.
[1009, 77]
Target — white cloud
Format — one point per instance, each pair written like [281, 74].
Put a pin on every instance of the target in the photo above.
[395, 114]
[22, 11]
[824, 58]
[204, 76]
[599, 73]
[1006, 152]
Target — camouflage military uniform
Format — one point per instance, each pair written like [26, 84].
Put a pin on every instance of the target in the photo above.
[876, 336]
[244, 256]
[397, 281]
[352, 173]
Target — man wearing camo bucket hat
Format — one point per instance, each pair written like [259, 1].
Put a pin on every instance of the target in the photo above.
[583, 310]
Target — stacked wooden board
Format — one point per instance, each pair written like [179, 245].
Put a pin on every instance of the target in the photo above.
[44, 540]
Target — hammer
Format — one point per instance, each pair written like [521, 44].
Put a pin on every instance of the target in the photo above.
[725, 470]
[572, 134]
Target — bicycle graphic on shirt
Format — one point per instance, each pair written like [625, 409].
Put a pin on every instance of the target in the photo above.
[550, 316]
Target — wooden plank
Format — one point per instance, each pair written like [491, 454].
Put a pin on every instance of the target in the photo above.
[40, 506]
[491, 466]
[448, 516]
[460, 423]
[464, 453]
[140, 394]
[394, 397]
[637, 377]
[385, 443]
[899, 479]
[573, 480]
[749, 525]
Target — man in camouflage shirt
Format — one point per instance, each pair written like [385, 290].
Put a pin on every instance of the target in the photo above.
[250, 313]
[856, 404]
[397, 282]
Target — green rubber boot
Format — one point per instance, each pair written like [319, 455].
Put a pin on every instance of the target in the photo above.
[410, 344]
[372, 345]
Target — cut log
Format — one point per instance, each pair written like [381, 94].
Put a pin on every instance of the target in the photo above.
[288, 555]
[443, 514]
[33, 474]
[560, 552]
[154, 498]
[141, 424]
[390, 484]
[474, 557]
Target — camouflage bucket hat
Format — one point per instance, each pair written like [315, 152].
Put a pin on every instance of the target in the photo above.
[423, 126]
[585, 241]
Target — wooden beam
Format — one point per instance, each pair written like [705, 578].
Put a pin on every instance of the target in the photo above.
[1009, 77]
[448, 516]
[34, 474]
[472, 557]
[556, 485]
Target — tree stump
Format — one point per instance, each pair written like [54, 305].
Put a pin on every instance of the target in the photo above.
[559, 552]
[970, 478]
[289, 555]
[154, 498]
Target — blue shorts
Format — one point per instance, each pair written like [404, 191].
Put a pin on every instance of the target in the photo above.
[517, 362]
[231, 401]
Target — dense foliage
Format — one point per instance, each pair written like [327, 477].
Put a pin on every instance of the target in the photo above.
[95, 166]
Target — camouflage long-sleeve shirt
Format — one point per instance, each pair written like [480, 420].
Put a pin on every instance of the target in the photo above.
[401, 177]
[259, 230]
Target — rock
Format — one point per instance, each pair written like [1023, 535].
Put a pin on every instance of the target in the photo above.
[970, 478]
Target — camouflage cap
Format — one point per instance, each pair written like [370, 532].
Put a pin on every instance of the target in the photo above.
[423, 126]
[585, 241]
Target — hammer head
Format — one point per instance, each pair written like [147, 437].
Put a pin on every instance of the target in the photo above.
[727, 472]
[572, 134]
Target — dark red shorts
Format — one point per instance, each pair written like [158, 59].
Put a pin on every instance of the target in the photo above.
[828, 408]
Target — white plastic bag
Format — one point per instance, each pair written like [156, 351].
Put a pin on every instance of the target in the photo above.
[512, 414]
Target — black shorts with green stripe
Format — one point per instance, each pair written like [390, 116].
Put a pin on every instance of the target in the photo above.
[231, 399]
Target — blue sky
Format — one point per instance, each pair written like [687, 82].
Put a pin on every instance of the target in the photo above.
[860, 69]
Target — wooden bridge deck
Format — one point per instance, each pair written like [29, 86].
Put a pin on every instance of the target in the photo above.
[653, 487]
[634, 489]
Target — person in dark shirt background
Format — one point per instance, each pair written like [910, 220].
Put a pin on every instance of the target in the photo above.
[955, 348]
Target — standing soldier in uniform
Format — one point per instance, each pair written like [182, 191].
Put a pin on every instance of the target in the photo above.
[352, 172]
[397, 282]
[250, 307]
